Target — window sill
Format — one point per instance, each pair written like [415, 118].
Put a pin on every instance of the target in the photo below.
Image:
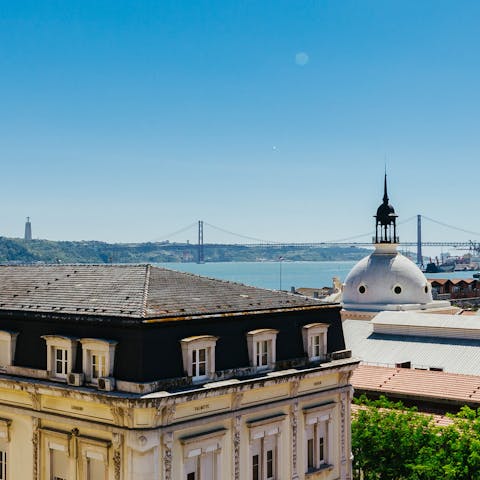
[317, 473]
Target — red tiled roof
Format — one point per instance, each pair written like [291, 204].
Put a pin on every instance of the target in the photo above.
[429, 385]
[453, 281]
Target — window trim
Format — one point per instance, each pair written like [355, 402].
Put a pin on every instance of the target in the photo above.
[308, 333]
[316, 417]
[11, 338]
[91, 346]
[254, 337]
[60, 342]
[95, 449]
[198, 445]
[196, 343]
[54, 440]
[261, 430]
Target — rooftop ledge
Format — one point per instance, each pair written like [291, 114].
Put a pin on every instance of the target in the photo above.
[181, 385]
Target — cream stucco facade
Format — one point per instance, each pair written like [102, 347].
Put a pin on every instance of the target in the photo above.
[224, 430]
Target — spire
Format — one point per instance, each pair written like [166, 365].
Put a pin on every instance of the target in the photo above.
[386, 229]
[385, 194]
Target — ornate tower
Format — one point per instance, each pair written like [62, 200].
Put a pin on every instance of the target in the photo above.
[386, 218]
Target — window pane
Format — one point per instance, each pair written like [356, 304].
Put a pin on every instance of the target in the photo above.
[310, 461]
[202, 353]
[321, 453]
[255, 468]
[269, 463]
[58, 464]
[3, 465]
[95, 469]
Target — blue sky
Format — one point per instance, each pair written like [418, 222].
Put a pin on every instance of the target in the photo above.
[124, 121]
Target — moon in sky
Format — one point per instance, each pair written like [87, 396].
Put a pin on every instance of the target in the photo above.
[301, 58]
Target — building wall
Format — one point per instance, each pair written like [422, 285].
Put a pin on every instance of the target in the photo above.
[124, 437]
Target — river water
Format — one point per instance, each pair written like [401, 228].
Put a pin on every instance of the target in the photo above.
[276, 275]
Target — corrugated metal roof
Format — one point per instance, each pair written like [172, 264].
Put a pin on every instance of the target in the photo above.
[453, 355]
[416, 319]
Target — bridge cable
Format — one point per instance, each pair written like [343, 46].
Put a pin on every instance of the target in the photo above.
[450, 226]
[173, 234]
[370, 234]
[240, 235]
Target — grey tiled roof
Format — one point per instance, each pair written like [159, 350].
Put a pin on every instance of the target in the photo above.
[139, 291]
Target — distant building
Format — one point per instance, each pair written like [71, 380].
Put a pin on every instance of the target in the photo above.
[386, 280]
[28, 230]
[140, 373]
[430, 391]
[455, 288]
[426, 341]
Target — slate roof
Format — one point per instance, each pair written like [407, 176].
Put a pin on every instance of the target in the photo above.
[140, 291]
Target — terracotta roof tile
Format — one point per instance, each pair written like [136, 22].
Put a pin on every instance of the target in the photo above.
[419, 383]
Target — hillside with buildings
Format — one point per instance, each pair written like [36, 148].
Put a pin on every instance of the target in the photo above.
[14, 250]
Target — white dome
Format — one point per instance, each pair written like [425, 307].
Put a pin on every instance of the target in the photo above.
[386, 280]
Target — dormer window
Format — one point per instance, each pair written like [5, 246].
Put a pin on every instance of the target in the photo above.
[61, 354]
[199, 356]
[262, 348]
[98, 358]
[8, 341]
[315, 340]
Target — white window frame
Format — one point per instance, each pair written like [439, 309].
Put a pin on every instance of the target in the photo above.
[10, 339]
[309, 334]
[191, 347]
[65, 344]
[92, 449]
[257, 340]
[97, 347]
[4, 449]
[197, 448]
[265, 436]
[318, 425]
[55, 441]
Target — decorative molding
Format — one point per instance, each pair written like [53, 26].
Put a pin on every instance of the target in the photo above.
[294, 425]
[294, 385]
[236, 446]
[343, 433]
[167, 455]
[118, 415]
[169, 414]
[117, 441]
[35, 398]
[237, 400]
[35, 442]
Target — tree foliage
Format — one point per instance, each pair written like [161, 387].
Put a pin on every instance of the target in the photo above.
[392, 442]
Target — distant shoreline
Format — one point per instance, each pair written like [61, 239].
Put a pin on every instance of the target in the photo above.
[14, 250]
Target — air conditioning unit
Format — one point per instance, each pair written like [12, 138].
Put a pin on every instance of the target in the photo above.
[106, 383]
[75, 379]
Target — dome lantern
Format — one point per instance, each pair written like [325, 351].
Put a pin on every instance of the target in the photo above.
[386, 226]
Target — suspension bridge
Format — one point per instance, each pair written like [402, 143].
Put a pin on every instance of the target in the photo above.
[361, 240]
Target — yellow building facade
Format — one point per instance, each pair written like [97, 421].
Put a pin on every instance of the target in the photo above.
[227, 430]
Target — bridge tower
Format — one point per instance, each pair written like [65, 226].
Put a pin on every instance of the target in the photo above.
[200, 250]
[419, 240]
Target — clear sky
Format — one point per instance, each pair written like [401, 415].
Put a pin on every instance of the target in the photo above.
[127, 120]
